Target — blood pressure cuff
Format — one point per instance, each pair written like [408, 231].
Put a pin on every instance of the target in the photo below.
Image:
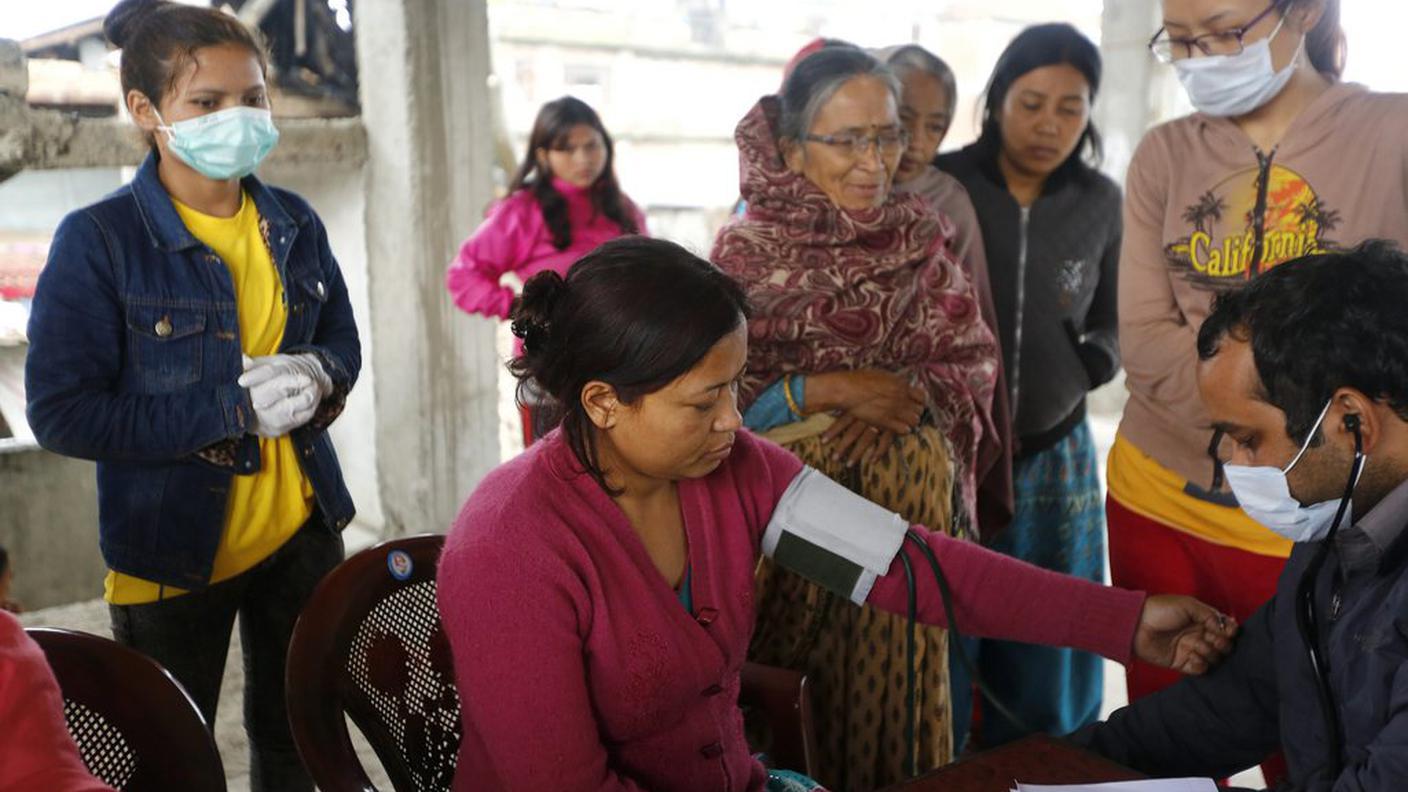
[832, 536]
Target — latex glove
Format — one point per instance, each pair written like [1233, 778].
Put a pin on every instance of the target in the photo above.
[1183, 634]
[285, 391]
[262, 369]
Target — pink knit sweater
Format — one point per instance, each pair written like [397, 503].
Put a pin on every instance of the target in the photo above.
[515, 238]
[578, 669]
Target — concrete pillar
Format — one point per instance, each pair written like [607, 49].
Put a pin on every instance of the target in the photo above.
[14, 84]
[423, 67]
[14, 72]
[1131, 82]
[1127, 107]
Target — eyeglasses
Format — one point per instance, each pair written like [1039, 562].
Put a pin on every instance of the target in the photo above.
[1225, 42]
[889, 141]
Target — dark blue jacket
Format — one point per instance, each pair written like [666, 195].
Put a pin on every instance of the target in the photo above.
[1054, 270]
[134, 353]
[1264, 697]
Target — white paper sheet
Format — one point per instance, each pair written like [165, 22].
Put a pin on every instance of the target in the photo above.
[1154, 785]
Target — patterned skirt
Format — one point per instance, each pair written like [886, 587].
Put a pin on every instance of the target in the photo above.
[855, 657]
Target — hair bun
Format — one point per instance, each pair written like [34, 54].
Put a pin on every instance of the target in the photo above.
[126, 18]
[531, 314]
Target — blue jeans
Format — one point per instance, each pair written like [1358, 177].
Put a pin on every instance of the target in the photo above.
[190, 636]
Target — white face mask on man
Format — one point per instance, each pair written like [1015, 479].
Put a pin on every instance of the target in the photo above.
[1234, 85]
[1265, 495]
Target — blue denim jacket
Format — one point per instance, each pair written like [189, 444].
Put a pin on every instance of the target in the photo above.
[134, 353]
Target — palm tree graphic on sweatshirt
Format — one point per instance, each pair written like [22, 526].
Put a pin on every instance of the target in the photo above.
[1250, 222]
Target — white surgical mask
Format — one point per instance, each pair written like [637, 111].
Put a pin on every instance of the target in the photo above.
[1234, 85]
[228, 144]
[1265, 495]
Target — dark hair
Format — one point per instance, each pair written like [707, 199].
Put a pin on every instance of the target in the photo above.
[912, 57]
[555, 121]
[1319, 323]
[4, 560]
[1038, 46]
[158, 38]
[636, 313]
[817, 78]
[1325, 44]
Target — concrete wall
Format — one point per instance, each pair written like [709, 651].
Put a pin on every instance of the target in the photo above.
[49, 525]
[338, 195]
[36, 200]
[48, 519]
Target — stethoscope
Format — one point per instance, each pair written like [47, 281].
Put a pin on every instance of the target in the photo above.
[1306, 619]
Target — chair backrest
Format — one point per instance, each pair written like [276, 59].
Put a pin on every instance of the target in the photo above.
[136, 728]
[783, 698]
[369, 644]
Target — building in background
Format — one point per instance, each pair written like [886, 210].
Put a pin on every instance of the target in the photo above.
[672, 78]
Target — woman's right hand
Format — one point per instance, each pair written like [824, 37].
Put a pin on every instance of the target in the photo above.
[880, 399]
[875, 407]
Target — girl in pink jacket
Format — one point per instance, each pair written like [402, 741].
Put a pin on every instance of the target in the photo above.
[563, 202]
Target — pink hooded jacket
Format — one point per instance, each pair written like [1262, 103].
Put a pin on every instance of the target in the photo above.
[515, 238]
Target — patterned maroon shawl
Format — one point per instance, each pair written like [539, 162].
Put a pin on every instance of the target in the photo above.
[837, 290]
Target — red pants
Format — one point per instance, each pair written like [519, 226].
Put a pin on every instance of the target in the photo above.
[525, 414]
[1150, 556]
[538, 420]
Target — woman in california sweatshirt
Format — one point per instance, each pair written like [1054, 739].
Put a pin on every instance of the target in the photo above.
[1213, 200]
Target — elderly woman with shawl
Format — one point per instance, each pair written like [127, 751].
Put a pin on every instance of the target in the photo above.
[870, 361]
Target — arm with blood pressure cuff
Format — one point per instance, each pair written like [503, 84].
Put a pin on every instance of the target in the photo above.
[870, 555]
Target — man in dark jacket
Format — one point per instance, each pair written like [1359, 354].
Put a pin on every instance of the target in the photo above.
[1305, 373]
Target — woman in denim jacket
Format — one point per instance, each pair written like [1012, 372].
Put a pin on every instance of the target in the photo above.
[192, 334]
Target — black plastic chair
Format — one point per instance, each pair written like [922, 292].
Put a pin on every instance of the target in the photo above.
[783, 697]
[136, 727]
[369, 644]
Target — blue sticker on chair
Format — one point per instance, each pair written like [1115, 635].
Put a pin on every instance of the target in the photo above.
[400, 564]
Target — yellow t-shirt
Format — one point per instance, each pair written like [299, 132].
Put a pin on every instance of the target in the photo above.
[1149, 489]
[264, 509]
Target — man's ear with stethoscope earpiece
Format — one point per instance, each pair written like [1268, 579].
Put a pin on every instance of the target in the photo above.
[1358, 417]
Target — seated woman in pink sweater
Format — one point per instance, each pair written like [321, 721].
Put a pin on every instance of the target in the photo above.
[597, 590]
